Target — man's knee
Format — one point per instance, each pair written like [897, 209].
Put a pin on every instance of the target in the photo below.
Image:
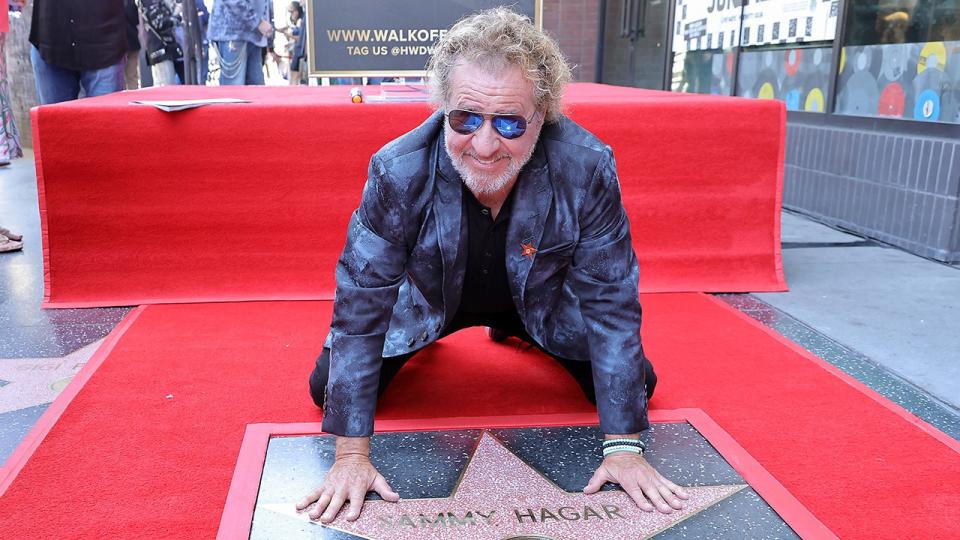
[319, 377]
[649, 377]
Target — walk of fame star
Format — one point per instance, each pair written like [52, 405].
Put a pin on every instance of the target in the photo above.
[499, 496]
[528, 250]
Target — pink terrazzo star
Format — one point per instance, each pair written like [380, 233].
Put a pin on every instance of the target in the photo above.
[35, 381]
[501, 497]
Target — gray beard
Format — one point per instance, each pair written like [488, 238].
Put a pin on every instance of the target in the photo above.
[485, 184]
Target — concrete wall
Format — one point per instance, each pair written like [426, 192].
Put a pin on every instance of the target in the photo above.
[894, 181]
[23, 93]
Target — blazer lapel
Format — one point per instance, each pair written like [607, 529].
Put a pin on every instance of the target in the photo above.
[531, 205]
[447, 210]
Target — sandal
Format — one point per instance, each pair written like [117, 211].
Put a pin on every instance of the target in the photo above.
[7, 244]
[10, 235]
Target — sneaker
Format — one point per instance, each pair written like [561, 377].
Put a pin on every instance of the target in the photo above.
[497, 336]
[10, 235]
[7, 244]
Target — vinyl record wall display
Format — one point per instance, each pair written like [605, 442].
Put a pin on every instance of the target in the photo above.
[800, 77]
[918, 81]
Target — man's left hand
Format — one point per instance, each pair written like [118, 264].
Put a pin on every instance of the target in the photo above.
[640, 480]
[265, 28]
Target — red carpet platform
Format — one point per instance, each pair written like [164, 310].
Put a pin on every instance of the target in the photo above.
[250, 201]
[148, 446]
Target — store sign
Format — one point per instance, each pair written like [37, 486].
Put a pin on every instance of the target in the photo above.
[377, 38]
[768, 22]
[702, 25]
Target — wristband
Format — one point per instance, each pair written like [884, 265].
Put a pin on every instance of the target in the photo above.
[635, 446]
[624, 448]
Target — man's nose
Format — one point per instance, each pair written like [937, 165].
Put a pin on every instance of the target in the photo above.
[486, 141]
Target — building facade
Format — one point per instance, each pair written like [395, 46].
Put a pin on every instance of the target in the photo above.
[872, 89]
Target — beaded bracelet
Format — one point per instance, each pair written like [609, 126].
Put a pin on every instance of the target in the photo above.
[635, 446]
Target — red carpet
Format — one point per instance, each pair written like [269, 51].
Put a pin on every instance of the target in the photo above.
[148, 446]
[251, 201]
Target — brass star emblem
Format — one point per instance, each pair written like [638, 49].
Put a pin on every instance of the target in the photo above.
[499, 496]
[528, 250]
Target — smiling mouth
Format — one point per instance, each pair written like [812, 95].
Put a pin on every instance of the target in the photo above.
[490, 162]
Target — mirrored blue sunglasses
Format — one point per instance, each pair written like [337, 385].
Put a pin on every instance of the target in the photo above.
[509, 126]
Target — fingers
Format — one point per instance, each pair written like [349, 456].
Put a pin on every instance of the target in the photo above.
[322, 504]
[383, 489]
[650, 495]
[639, 498]
[652, 491]
[677, 490]
[356, 503]
[336, 503]
[669, 497]
[309, 499]
[596, 482]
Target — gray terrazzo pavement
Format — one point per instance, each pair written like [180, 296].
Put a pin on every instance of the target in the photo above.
[900, 310]
[15, 425]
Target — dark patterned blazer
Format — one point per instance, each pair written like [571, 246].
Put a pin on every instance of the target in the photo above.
[400, 277]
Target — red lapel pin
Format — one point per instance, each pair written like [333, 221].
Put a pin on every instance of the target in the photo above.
[528, 250]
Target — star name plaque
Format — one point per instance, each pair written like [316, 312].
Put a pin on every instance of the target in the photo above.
[503, 483]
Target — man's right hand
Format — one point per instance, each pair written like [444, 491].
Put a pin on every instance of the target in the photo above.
[350, 478]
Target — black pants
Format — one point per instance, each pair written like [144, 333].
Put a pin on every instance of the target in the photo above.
[506, 322]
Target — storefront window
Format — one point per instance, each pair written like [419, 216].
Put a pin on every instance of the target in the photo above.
[703, 72]
[800, 77]
[877, 22]
[901, 59]
[705, 34]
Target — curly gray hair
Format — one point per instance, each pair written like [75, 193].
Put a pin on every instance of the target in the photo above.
[497, 37]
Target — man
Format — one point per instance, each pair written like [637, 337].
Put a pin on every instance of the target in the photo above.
[164, 54]
[500, 212]
[78, 45]
[239, 30]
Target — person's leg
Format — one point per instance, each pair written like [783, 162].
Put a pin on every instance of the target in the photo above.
[321, 374]
[163, 73]
[9, 135]
[204, 63]
[254, 65]
[580, 370]
[233, 61]
[131, 74]
[293, 74]
[54, 84]
[178, 73]
[388, 370]
[100, 82]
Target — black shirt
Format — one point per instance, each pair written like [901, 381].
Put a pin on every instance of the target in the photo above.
[80, 35]
[485, 285]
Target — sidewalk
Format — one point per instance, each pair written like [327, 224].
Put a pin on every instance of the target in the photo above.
[888, 318]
